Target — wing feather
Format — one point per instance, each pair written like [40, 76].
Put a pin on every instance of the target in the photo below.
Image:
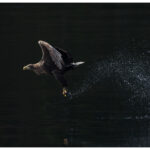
[49, 52]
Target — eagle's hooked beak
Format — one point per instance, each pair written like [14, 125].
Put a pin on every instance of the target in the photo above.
[25, 68]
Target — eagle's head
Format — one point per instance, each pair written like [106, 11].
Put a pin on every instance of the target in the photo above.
[28, 67]
[36, 68]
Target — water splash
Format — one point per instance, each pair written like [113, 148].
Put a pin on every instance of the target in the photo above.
[129, 71]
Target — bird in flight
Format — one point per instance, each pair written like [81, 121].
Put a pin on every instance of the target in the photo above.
[55, 62]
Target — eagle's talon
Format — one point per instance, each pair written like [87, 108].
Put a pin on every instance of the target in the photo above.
[64, 92]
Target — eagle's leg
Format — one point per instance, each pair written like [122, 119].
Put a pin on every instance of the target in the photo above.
[65, 91]
[59, 76]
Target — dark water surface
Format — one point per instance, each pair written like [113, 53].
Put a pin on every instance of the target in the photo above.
[109, 100]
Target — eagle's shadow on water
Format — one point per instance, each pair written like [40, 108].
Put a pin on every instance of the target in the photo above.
[111, 107]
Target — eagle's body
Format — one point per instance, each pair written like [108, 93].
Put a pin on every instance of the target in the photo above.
[54, 62]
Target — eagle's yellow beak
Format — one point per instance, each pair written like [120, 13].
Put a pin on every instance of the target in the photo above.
[25, 68]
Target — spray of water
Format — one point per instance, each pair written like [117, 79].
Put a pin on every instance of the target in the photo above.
[129, 70]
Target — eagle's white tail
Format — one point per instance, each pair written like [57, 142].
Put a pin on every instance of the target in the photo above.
[76, 64]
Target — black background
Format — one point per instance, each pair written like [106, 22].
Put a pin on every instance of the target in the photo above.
[32, 109]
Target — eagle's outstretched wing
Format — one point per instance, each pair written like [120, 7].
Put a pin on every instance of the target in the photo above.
[66, 55]
[50, 54]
